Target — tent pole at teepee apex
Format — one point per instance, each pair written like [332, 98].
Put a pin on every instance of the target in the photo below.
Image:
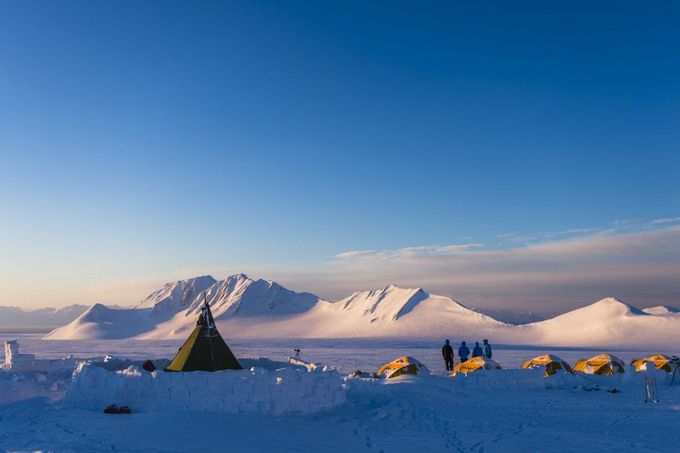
[210, 324]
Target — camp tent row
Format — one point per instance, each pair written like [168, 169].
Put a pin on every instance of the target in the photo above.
[601, 364]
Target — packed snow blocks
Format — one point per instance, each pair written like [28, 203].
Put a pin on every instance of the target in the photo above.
[286, 390]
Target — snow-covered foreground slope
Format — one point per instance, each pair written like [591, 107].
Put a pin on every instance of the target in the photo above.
[246, 308]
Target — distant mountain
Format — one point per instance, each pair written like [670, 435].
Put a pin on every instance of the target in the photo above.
[515, 316]
[247, 308]
[606, 322]
[176, 296]
[239, 295]
[43, 317]
[100, 322]
[662, 310]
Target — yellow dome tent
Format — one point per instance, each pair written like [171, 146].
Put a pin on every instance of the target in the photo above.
[603, 364]
[660, 362]
[551, 363]
[400, 366]
[474, 364]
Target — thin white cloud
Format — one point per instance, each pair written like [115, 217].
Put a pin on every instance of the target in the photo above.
[643, 265]
[409, 252]
[666, 220]
[617, 227]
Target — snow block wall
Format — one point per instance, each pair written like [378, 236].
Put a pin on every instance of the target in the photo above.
[14, 361]
[256, 390]
[15, 386]
[503, 379]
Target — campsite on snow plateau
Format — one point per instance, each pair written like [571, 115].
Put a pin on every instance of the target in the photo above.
[337, 226]
[121, 359]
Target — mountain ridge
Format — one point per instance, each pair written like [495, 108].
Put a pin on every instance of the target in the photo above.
[247, 308]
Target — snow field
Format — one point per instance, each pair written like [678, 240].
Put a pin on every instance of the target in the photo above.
[257, 390]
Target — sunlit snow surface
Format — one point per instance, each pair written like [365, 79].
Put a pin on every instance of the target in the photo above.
[425, 413]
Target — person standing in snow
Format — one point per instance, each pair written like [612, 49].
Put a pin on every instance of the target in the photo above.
[477, 350]
[463, 352]
[487, 349]
[447, 353]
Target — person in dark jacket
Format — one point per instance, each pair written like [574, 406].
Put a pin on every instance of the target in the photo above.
[447, 353]
[487, 349]
[477, 350]
[463, 352]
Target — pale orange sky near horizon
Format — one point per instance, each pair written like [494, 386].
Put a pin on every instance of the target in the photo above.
[639, 266]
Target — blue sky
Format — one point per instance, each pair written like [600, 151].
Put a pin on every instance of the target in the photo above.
[141, 143]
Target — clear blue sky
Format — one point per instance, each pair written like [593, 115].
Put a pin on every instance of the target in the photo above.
[138, 139]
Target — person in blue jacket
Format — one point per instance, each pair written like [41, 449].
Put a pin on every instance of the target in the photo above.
[463, 352]
[477, 350]
[487, 349]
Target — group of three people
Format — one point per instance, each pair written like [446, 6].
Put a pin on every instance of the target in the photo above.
[464, 352]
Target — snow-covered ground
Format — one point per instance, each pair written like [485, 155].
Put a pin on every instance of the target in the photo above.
[511, 412]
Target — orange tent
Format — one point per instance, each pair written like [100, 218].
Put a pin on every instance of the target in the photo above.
[551, 363]
[474, 364]
[603, 364]
[660, 362]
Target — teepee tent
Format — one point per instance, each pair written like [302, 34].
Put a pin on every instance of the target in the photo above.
[204, 350]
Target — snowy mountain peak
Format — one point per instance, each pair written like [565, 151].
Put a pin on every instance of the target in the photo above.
[96, 312]
[612, 306]
[175, 296]
[389, 303]
[238, 294]
[607, 311]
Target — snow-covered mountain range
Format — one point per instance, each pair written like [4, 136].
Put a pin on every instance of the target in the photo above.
[15, 317]
[246, 308]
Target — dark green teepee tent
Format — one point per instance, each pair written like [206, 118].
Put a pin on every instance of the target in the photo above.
[204, 350]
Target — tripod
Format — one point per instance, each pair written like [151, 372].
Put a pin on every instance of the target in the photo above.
[675, 361]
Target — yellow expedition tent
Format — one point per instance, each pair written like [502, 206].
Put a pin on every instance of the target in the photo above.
[474, 364]
[603, 364]
[551, 363]
[660, 362]
[400, 366]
